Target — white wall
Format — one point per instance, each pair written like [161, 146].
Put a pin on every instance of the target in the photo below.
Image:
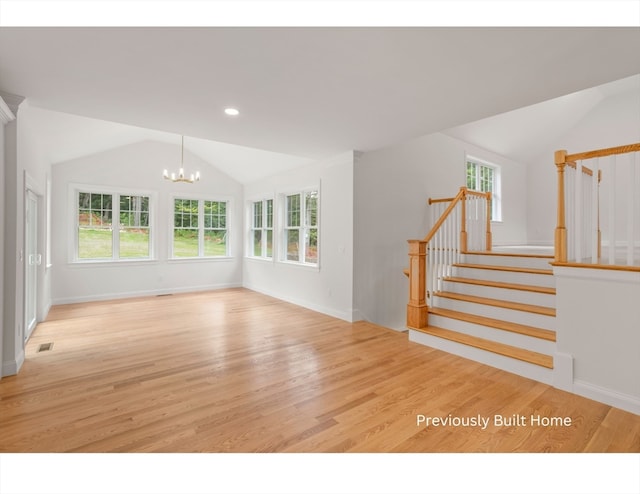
[598, 317]
[33, 160]
[613, 122]
[392, 186]
[328, 288]
[139, 167]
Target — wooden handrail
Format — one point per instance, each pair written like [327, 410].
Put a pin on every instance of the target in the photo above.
[446, 199]
[599, 153]
[471, 192]
[445, 214]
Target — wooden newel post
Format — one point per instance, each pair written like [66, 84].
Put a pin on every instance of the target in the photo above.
[417, 309]
[561, 229]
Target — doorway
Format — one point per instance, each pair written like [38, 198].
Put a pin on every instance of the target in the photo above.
[32, 260]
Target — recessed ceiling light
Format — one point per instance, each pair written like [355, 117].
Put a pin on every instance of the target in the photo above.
[231, 111]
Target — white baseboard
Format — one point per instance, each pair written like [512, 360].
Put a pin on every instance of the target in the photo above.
[347, 316]
[12, 367]
[142, 293]
[357, 315]
[608, 396]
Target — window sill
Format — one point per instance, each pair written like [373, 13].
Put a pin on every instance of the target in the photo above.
[200, 259]
[300, 265]
[111, 262]
[260, 259]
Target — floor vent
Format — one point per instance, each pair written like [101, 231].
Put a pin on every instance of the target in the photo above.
[164, 294]
[45, 347]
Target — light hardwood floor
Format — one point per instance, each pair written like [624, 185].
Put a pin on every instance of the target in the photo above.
[237, 371]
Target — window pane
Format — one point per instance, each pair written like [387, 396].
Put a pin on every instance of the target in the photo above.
[257, 214]
[257, 243]
[215, 243]
[471, 175]
[293, 251]
[269, 243]
[94, 243]
[311, 208]
[311, 246]
[94, 226]
[486, 179]
[185, 242]
[134, 243]
[270, 213]
[293, 210]
[134, 211]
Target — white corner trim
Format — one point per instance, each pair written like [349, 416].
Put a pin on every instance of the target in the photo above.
[13, 101]
[6, 115]
[12, 367]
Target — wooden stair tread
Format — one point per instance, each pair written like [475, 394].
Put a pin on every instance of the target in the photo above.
[505, 304]
[544, 334]
[509, 254]
[491, 346]
[505, 268]
[502, 284]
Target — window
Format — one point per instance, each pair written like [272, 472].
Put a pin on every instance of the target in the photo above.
[300, 230]
[199, 228]
[485, 177]
[262, 229]
[98, 238]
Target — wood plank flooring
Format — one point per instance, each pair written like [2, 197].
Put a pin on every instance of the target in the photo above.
[237, 371]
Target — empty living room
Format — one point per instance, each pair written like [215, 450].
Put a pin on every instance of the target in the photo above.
[310, 256]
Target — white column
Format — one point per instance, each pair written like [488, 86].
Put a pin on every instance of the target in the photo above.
[12, 272]
[595, 212]
[6, 116]
[612, 210]
[630, 208]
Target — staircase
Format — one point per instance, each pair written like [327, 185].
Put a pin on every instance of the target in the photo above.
[497, 308]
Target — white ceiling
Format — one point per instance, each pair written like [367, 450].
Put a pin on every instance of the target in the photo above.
[522, 134]
[302, 92]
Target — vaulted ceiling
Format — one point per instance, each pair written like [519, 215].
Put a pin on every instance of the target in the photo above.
[303, 93]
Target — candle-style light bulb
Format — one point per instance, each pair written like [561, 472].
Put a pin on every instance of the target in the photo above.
[165, 173]
[197, 176]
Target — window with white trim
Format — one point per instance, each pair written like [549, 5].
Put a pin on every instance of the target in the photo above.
[112, 226]
[301, 227]
[200, 228]
[485, 177]
[262, 229]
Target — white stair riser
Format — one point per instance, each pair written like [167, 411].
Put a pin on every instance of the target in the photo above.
[493, 334]
[531, 371]
[520, 262]
[516, 316]
[521, 296]
[505, 276]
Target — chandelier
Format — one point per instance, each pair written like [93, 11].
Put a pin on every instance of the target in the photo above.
[180, 177]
